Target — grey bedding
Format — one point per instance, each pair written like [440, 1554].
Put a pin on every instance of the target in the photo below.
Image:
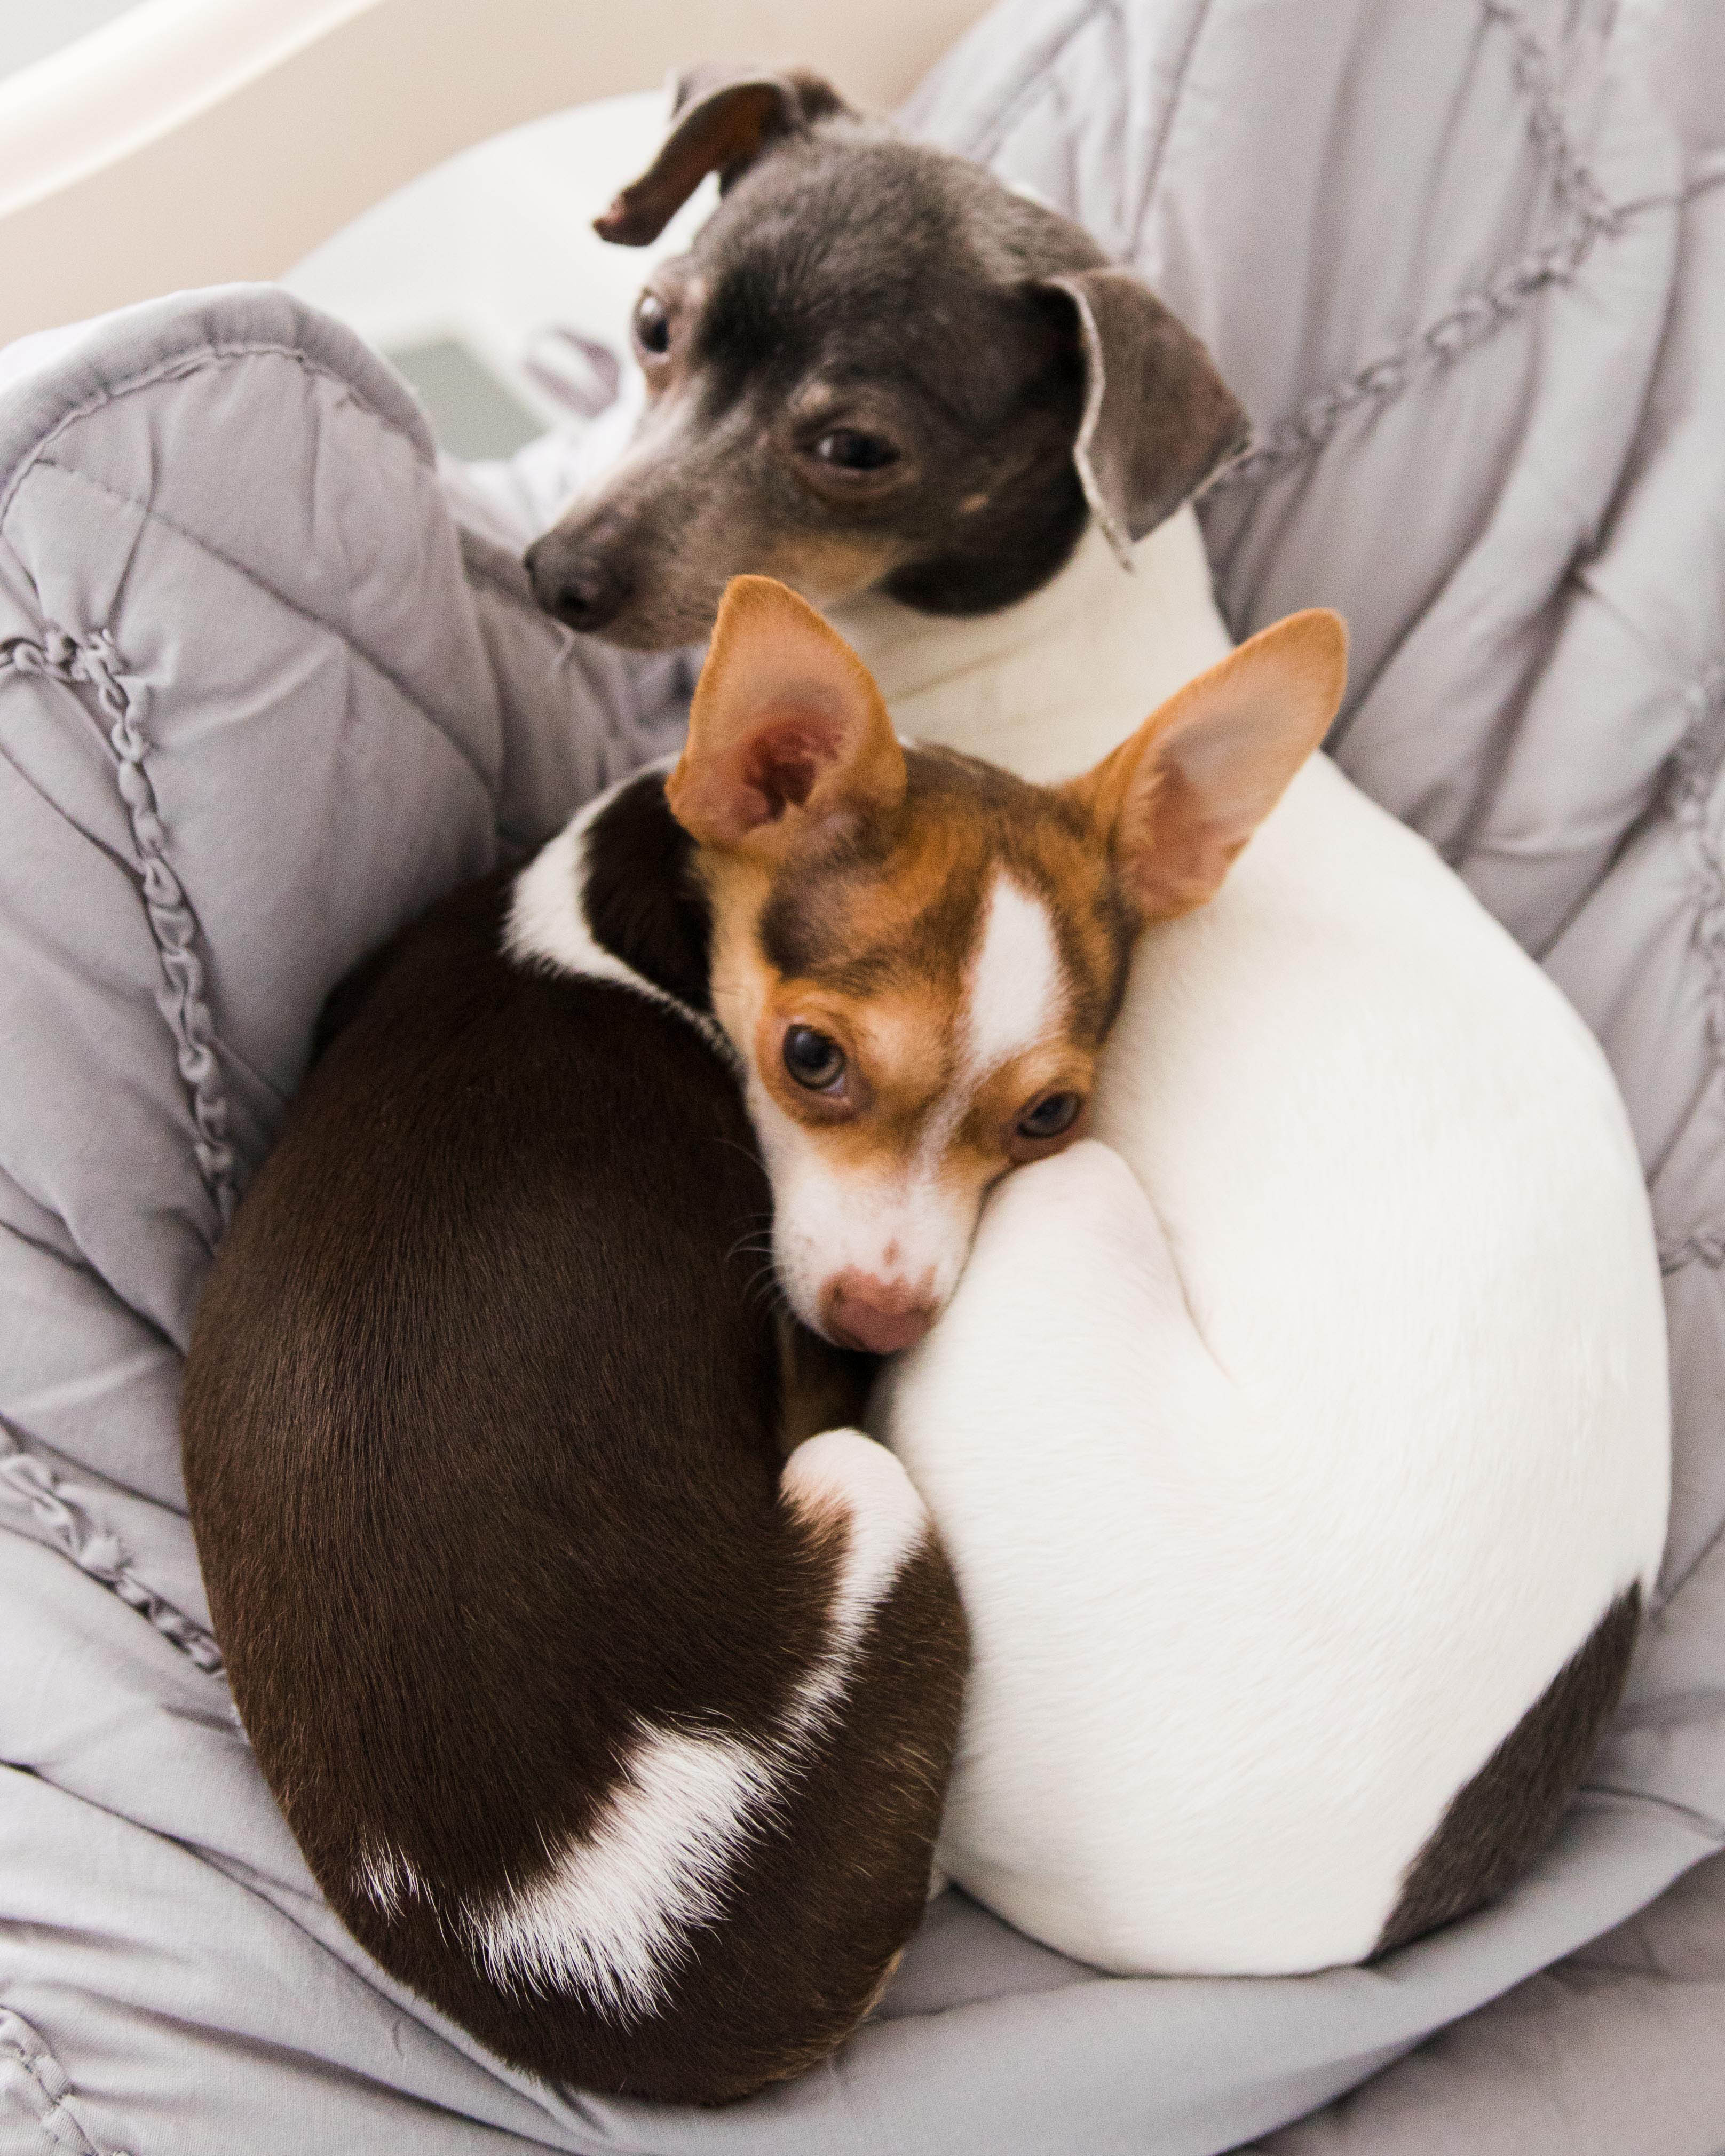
[261, 696]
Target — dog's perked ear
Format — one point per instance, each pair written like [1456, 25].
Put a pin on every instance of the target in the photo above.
[787, 732]
[1158, 418]
[725, 116]
[1177, 801]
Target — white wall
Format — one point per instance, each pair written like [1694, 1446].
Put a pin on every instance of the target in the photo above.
[30, 29]
[194, 142]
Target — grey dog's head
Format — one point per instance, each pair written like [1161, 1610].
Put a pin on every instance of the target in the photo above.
[875, 367]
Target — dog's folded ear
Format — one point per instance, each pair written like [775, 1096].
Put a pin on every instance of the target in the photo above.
[787, 732]
[725, 116]
[1176, 802]
[1159, 419]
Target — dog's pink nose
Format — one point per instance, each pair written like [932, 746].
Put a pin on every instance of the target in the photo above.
[881, 1316]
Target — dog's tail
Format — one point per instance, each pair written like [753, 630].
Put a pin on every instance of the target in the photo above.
[745, 1894]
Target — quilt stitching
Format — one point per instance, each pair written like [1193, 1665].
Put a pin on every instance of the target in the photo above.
[95, 662]
[29, 1483]
[50, 2084]
[344, 637]
[1583, 217]
[1704, 1247]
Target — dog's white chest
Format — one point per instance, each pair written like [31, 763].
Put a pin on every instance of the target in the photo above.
[1049, 686]
[1283, 1473]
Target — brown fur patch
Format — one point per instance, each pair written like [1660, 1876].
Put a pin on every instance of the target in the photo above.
[1495, 1826]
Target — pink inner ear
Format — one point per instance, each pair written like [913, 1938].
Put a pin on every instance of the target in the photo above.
[782, 762]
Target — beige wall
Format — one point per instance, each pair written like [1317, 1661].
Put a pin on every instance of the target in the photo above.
[199, 141]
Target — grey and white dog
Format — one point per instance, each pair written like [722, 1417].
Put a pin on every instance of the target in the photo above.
[876, 368]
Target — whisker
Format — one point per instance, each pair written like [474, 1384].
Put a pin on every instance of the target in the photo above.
[767, 1287]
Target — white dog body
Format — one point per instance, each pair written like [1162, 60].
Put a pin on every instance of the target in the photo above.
[1283, 1474]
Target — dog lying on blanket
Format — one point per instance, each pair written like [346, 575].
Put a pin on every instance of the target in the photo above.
[1301, 1448]
[619, 1740]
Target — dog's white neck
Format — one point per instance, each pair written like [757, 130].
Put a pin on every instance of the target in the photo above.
[1049, 686]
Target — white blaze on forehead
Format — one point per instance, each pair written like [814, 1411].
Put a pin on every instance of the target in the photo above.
[1016, 992]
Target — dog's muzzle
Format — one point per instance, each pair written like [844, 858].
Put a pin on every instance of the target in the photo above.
[581, 585]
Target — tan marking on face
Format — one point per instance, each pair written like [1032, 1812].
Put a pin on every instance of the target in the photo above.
[828, 568]
[897, 1046]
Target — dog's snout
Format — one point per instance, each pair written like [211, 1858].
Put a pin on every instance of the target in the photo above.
[859, 1311]
[587, 591]
[590, 596]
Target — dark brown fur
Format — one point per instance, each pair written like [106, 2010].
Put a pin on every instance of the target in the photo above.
[482, 1423]
[1494, 1827]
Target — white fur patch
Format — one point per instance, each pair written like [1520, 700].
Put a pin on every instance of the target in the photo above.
[387, 1877]
[843, 1473]
[606, 1918]
[905, 1224]
[610, 1918]
[1015, 995]
[547, 923]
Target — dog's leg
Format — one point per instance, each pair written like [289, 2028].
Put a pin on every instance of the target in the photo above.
[821, 1387]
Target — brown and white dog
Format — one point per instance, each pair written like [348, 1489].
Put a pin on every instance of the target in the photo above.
[1301, 1446]
[611, 1730]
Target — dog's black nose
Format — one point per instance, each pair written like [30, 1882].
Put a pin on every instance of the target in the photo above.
[589, 598]
[585, 593]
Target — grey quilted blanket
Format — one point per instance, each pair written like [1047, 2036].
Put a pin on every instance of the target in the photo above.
[261, 695]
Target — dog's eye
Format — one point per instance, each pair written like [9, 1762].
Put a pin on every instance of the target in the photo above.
[1050, 1117]
[652, 324]
[849, 450]
[812, 1059]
